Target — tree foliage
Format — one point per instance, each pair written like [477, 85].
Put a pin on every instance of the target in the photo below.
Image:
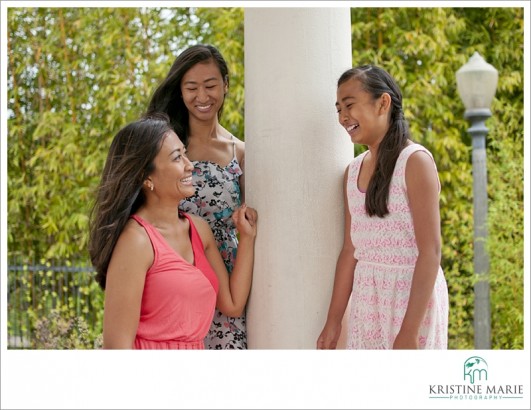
[77, 75]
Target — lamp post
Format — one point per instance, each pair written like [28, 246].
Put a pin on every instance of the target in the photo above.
[476, 84]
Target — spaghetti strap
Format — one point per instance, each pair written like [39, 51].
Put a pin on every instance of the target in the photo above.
[233, 146]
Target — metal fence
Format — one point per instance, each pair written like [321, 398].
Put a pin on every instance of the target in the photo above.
[52, 306]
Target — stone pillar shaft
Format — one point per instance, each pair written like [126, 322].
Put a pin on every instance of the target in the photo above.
[296, 154]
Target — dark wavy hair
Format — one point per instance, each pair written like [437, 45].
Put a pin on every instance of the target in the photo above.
[167, 98]
[120, 194]
[376, 81]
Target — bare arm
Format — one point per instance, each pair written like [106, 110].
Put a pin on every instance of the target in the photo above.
[131, 259]
[423, 195]
[242, 177]
[234, 290]
[344, 277]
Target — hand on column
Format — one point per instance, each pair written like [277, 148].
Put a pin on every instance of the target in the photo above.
[245, 219]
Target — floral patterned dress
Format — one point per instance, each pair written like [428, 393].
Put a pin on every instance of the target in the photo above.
[217, 194]
[386, 251]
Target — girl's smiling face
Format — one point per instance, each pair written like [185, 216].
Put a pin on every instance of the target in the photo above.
[364, 118]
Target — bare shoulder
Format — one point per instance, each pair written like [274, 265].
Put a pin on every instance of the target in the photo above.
[238, 143]
[134, 236]
[133, 250]
[419, 161]
[240, 149]
[421, 172]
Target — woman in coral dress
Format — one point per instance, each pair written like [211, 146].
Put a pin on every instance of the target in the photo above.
[160, 268]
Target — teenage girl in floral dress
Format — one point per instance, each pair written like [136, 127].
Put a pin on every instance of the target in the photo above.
[192, 94]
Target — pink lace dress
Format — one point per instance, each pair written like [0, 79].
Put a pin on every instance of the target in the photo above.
[386, 251]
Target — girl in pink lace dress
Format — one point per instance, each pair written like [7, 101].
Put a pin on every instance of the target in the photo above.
[389, 265]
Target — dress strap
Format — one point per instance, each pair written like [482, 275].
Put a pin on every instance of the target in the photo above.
[404, 156]
[233, 146]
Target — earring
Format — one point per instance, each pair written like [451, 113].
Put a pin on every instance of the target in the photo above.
[151, 187]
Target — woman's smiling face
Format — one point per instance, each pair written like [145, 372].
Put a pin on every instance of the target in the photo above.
[203, 90]
[172, 176]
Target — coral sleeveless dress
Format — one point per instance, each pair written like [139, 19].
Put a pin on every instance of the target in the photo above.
[386, 251]
[179, 298]
[217, 195]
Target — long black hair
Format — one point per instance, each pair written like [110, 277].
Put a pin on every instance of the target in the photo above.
[167, 98]
[120, 194]
[376, 81]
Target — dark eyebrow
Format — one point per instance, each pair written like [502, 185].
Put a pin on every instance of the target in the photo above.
[174, 151]
[346, 98]
[195, 82]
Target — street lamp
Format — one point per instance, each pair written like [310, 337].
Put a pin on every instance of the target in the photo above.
[476, 84]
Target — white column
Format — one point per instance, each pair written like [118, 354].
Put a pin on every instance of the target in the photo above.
[296, 154]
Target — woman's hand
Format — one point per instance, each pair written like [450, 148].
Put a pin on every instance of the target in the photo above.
[245, 219]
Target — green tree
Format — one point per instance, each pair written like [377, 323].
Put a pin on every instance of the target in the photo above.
[75, 77]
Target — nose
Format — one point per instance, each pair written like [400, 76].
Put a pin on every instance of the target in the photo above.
[202, 95]
[343, 117]
[188, 164]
